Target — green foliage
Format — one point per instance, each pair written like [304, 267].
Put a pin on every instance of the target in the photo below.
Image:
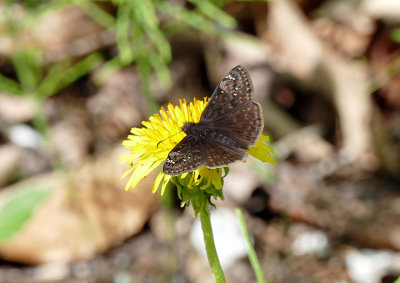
[18, 209]
[197, 196]
[209, 9]
[185, 18]
[396, 37]
[9, 86]
[141, 38]
[28, 66]
[32, 80]
[64, 73]
[397, 281]
[250, 249]
[212, 255]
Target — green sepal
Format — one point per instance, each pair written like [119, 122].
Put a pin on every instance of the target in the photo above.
[195, 195]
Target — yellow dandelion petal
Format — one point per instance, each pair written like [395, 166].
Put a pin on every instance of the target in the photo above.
[157, 182]
[140, 172]
[185, 111]
[127, 172]
[165, 182]
[172, 112]
[262, 151]
[151, 144]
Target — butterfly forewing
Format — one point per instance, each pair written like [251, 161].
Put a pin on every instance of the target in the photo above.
[233, 92]
[187, 155]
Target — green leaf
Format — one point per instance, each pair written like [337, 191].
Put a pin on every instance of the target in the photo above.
[122, 33]
[192, 19]
[397, 281]
[63, 74]
[108, 69]
[144, 68]
[98, 14]
[28, 65]
[396, 37]
[9, 86]
[145, 16]
[215, 13]
[18, 209]
[250, 249]
[162, 70]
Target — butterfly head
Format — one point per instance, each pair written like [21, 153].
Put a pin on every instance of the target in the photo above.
[187, 126]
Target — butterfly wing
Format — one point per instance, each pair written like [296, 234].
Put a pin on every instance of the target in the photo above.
[232, 120]
[233, 92]
[243, 126]
[219, 155]
[231, 111]
[187, 155]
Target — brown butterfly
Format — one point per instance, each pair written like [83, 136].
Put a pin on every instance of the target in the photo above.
[231, 121]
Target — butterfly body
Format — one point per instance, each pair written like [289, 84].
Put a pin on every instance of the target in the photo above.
[206, 130]
[197, 130]
[230, 123]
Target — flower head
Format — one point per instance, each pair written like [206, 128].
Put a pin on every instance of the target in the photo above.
[151, 144]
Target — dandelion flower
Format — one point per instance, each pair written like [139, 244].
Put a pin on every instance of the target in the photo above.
[151, 144]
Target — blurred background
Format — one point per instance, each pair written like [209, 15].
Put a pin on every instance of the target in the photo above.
[76, 75]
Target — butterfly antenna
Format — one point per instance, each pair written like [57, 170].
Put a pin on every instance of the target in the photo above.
[168, 138]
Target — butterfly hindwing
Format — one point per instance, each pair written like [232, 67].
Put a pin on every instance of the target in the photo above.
[219, 155]
[234, 91]
[244, 126]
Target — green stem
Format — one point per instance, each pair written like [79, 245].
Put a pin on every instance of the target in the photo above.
[250, 249]
[210, 246]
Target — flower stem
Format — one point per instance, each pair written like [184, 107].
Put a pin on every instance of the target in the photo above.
[210, 246]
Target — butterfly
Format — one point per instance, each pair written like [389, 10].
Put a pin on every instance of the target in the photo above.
[230, 122]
